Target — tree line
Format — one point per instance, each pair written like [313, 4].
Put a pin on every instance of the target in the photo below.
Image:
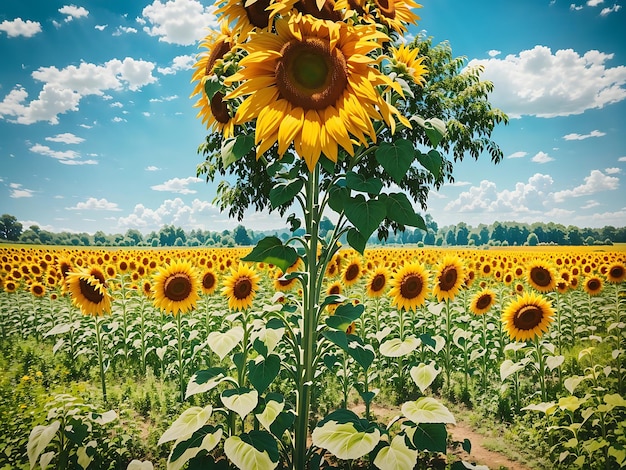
[496, 234]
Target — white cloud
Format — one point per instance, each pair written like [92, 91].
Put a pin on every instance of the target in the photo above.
[542, 157]
[518, 155]
[18, 192]
[146, 114]
[590, 204]
[72, 11]
[19, 27]
[94, 204]
[181, 22]
[124, 30]
[621, 159]
[494, 53]
[612, 171]
[58, 155]
[459, 183]
[613, 9]
[118, 119]
[152, 168]
[178, 185]
[541, 83]
[64, 88]
[66, 138]
[101, 27]
[574, 136]
[116, 104]
[594, 3]
[200, 214]
[595, 182]
[166, 98]
[79, 162]
[575, 7]
[181, 62]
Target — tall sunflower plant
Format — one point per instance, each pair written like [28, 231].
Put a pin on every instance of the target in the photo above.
[321, 107]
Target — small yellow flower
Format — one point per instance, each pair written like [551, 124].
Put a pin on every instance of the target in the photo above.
[26, 378]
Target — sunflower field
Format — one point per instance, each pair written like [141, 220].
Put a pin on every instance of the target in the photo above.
[149, 358]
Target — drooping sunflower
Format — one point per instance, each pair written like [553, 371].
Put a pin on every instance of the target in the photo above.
[88, 292]
[409, 286]
[351, 274]
[378, 282]
[175, 287]
[404, 62]
[240, 287]
[541, 276]
[593, 286]
[482, 301]
[449, 278]
[312, 84]
[527, 317]
[616, 272]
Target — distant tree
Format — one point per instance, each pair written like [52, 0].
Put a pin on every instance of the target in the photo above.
[429, 238]
[241, 237]
[462, 234]
[179, 242]
[484, 235]
[10, 228]
[574, 236]
[450, 237]
[498, 232]
[474, 239]
[532, 239]
[589, 240]
[135, 235]
[326, 226]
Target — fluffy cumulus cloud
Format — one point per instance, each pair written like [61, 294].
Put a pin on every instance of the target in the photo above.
[95, 204]
[17, 191]
[19, 27]
[72, 11]
[594, 183]
[574, 136]
[198, 214]
[542, 157]
[67, 157]
[181, 62]
[538, 82]
[178, 185]
[181, 22]
[66, 138]
[64, 88]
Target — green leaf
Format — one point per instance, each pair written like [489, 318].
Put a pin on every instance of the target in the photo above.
[344, 315]
[353, 345]
[554, 361]
[263, 372]
[76, 431]
[396, 158]
[431, 437]
[140, 465]
[283, 421]
[223, 343]
[271, 250]
[346, 436]
[356, 240]
[400, 209]
[39, 439]
[337, 197]
[424, 374]
[187, 423]
[240, 400]
[247, 456]
[427, 410]
[365, 215]
[271, 411]
[508, 368]
[205, 380]
[211, 86]
[359, 183]
[205, 438]
[396, 347]
[435, 128]
[432, 161]
[285, 192]
[396, 456]
[236, 148]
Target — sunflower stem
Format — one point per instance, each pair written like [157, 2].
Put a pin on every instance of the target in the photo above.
[100, 358]
[179, 333]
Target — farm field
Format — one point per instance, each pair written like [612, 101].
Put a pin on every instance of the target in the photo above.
[152, 358]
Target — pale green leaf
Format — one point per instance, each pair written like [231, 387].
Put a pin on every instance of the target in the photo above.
[554, 361]
[241, 401]
[396, 347]
[270, 412]
[187, 423]
[186, 449]
[572, 382]
[223, 343]
[344, 441]
[396, 456]
[508, 368]
[139, 465]
[424, 374]
[427, 410]
[246, 456]
[39, 439]
[46, 458]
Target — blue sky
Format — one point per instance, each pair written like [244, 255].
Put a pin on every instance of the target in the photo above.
[97, 131]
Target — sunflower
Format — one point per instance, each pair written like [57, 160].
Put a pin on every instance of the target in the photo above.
[251, 15]
[377, 282]
[449, 278]
[38, 289]
[404, 62]
[88, 293]
[352, 272]
[541, 276]
[397, 14]
[208, 284]
[312, 83]
[616, 273]
[527, 317]
[175, 287]
[482, 301]
[593, 286]
[240, 287]
[409, 286]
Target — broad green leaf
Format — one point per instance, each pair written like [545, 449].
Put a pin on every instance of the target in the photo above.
[271, 333]
[229, 152]
[547, 408]
[211, 86]
[344, 315]
[554, 361]
[187, 423]
[396, 456]
[356, 240]
[248, 457]
[396, 347]
[205, 380]
[359, 183]
[39, 439]
[139, 465]
[337, 197]
[285, 192]
[615, 400]
[223, 343]
[431, 437]
[283, 421]
[435, 128]
[396, 158]
[205, 438]
[84, 459]
[570, 403]
[365, 215]
[344, 441]
[46, 458]
[424, 374]
[272, 251]
[427, 410]
[262, 372]
[508, 368]
[432, 161]
[242, 400]
[105, 418]
[619, 455]
[59, 329]
[270, 412]
[400, 209]
[353, 345]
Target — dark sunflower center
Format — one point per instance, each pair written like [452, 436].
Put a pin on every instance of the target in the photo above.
[616, 272]
[593, 284]
[38, 290]
[387, 8]
[309, 75]
[448, 277]
[528, 317]
[352, 272]
[378, 283]
[242, 288]
[540, 276]
[326, 13]
[411, 286]
[257, 14]
[208, 281]
[334, 290]
[88, 291]
[219, 109]
[177, 287]
[483, 301]
[218, 51]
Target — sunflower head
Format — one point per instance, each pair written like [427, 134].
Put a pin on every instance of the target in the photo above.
[449, 278]
[482, 301]
[409, 287]
[378, 282]
[541, 276]
[240, 287]
[88, 292]
[527, 317]
[616, 272]
[406, 63]
[593, 286]
[175, 287]
[352, 272]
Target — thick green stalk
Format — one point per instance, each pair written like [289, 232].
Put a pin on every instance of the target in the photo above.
[181, 366]
[100, 358]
